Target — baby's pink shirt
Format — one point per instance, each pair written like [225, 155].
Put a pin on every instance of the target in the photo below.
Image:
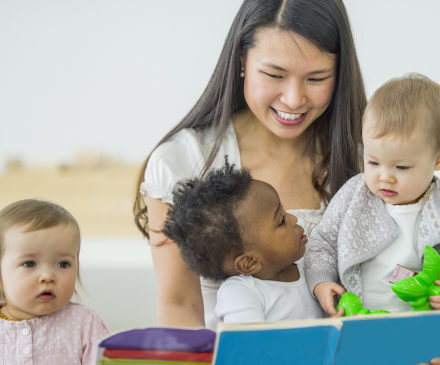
[68, 336]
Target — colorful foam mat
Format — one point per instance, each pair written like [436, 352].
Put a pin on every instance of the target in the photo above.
[108, 361]
[163, 339]
[199, 357]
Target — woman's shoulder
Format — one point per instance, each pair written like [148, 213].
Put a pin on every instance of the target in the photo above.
[183, 156]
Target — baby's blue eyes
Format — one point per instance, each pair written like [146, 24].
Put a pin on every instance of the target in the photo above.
[62, 264]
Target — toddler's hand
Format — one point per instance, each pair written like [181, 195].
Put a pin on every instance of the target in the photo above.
[325, 292]
[435, 300]
[339, 313]
[435, 361]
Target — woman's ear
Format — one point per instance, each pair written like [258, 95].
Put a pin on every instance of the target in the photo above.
[248, 264]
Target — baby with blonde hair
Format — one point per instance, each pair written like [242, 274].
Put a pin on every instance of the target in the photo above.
[39, 267]
[388, 214]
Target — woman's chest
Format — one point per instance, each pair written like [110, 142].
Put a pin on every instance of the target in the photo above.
[293, 185]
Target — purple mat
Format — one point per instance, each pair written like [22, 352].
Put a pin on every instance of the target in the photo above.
[166, 339]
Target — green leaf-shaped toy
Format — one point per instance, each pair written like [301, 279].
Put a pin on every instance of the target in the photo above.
[352, 305]
[420, 287]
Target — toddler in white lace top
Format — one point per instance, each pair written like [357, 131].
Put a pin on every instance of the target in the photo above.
[388, 214]
[39, 248]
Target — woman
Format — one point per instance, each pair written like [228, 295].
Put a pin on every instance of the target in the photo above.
[285, 100]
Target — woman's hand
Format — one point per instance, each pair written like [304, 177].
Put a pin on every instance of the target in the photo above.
[180, 302]
[325, 292]
[434, 301]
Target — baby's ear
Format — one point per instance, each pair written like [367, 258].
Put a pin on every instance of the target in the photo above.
[248, 264]
[437, 163]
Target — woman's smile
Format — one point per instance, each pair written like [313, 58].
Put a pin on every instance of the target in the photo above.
[288, 119]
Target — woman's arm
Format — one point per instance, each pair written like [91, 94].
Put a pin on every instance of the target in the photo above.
[180, 302]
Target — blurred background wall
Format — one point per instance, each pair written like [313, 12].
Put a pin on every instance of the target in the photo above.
[88, 87]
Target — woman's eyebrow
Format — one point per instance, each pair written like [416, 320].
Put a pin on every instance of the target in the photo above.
[278, 68]
[322, 71]
[275, 67]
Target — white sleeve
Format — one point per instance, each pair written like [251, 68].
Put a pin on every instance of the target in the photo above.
[238, 301]
[183, 157]
[179, 158]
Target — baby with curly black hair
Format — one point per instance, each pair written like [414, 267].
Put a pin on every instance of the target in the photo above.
[232, 228]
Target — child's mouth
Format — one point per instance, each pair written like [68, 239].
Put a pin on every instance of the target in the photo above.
[46, 295]
[388, 193]
[304, 239]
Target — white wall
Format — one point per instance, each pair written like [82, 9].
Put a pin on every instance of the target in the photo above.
[119, 281]
[117, 75]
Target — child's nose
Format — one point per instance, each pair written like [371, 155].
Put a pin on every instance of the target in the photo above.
[293, 219]
[47, 276]
[386, 177]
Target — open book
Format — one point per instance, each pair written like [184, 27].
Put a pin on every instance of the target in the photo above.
[401, 338]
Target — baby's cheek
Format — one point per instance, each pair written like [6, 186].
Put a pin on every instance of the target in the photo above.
[67, 286]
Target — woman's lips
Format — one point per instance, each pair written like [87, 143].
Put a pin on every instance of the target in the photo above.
[288, 122]
[388, 193]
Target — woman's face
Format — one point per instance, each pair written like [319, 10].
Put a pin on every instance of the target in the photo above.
[288, 81]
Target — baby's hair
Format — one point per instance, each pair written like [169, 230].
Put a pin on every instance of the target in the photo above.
[403, 104]
[36, 214]
[202, 222]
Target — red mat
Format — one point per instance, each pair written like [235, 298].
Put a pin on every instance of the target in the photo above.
[159, 355]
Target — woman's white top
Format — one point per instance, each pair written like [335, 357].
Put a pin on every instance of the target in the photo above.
[377, 271]
[183, 156]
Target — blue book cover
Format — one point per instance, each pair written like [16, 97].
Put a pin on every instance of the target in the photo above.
[383, 339]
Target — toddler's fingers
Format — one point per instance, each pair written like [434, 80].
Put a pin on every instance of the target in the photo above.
[339, 313]
[437, 282]
[435, 301]
[330, 306]
[435, 361]
[339, 290]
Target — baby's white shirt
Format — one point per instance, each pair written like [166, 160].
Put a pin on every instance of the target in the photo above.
[183, 157]
[376, 272]
[243, 299]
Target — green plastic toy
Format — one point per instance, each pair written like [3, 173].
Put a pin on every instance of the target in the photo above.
[352, 305]
[420, 287]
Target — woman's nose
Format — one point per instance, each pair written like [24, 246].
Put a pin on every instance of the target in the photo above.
[294, 96]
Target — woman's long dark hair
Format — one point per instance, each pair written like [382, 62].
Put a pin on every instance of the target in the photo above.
[335, 135]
